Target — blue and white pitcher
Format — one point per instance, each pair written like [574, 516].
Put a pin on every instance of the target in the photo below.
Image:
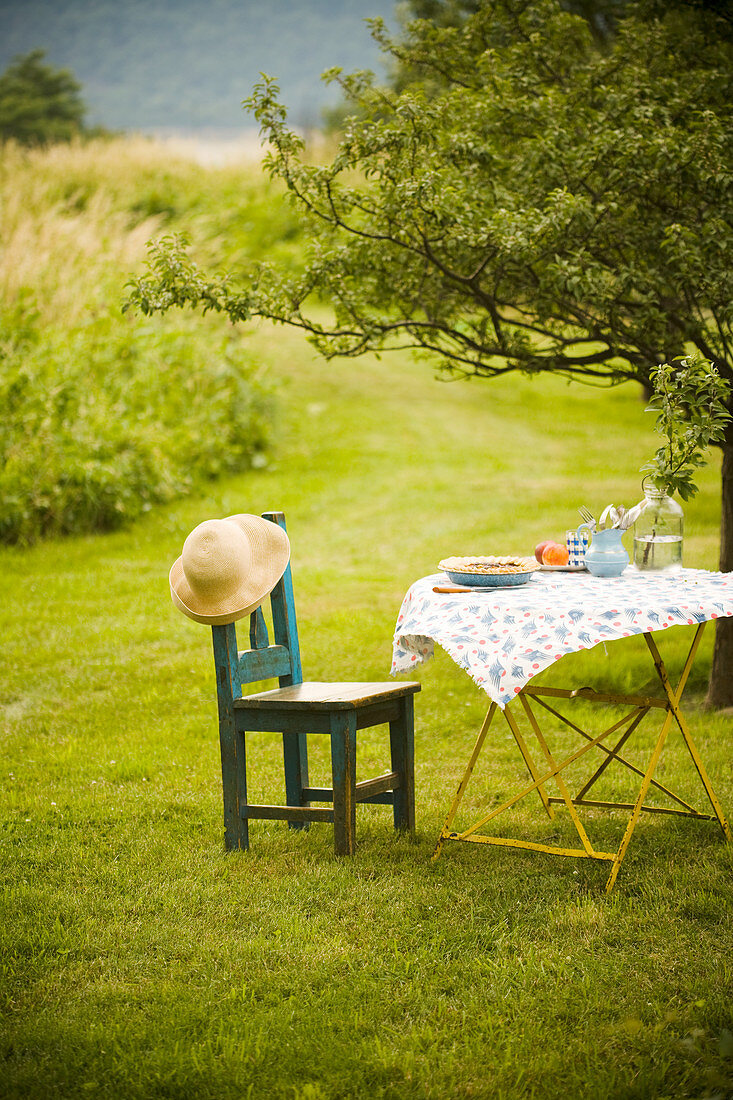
[607, 555]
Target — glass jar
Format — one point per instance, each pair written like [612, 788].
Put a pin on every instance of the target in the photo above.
[658, 533]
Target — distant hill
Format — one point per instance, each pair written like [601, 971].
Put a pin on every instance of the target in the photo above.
[161, 65]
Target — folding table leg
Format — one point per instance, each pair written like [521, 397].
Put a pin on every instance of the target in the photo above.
[674, 699]
[613, 754]
[564, 792]
[639, 802]
[464, 782]
[717, 808]
[531, 766]
[673, 711]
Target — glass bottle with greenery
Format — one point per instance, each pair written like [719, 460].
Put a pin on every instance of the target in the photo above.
[689, 399]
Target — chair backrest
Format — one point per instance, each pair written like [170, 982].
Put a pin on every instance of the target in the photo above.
[262, 661]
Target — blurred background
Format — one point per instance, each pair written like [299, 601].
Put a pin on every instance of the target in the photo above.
[167, 67]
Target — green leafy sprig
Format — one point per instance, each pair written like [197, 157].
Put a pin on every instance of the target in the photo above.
[690, 399]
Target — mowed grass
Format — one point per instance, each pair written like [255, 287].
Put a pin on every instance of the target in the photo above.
[140, 960]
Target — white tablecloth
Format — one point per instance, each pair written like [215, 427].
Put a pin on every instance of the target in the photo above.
[503, 637]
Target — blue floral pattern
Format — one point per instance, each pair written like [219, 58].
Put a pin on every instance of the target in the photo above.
[507, 635]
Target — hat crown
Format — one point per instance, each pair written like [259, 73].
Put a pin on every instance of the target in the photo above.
[216, 558]
[227, 567]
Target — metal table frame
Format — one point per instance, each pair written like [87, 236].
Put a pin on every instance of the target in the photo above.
[529, 698]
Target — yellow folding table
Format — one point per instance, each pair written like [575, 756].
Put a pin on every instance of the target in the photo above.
[503, 637]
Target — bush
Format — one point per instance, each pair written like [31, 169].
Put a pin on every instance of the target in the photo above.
[105, 416]
[108, 419]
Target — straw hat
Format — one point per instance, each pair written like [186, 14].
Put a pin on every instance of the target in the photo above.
[228, 567]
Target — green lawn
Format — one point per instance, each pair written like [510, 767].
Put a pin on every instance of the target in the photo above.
[138, 960]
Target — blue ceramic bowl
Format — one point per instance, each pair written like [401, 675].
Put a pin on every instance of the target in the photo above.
[488, 580]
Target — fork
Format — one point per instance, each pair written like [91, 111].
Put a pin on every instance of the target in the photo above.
[587, 515]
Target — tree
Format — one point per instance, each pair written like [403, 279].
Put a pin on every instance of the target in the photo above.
[600, 14]
[39, 104]
[527, 202]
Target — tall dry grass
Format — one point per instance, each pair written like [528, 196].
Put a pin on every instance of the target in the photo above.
[74, 220]
[103, 414]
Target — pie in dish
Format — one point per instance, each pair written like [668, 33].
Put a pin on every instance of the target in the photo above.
[489, 566]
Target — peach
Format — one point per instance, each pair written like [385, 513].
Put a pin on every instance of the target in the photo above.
[539, 548]
[555, 554]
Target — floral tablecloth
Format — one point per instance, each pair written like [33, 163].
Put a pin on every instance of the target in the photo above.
[503, 637]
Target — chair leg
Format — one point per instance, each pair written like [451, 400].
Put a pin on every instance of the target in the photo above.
[343, 771]
[295, 761]
[402, 748]
[234, 784]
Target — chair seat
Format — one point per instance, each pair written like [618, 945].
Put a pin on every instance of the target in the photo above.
[316, 696]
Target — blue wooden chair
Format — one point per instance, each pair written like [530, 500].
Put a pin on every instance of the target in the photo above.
[295, 709]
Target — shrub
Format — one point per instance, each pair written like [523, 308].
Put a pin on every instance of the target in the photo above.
[107, 419]
[105, 416]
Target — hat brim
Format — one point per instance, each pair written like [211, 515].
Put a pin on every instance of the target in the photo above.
[270, 548]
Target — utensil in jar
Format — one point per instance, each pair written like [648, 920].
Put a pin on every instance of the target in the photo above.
[587, 515]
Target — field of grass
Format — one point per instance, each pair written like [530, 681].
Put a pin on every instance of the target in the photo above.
[139, 960]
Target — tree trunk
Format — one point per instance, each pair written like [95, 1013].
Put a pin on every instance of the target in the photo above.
[720, 688]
